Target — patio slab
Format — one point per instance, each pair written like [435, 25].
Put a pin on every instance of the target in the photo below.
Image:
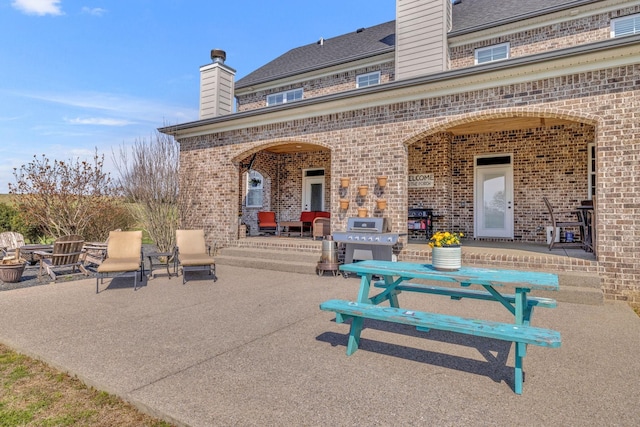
[254, 349]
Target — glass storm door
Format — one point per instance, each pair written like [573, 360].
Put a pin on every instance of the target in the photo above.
[494, 198]
[313, 193]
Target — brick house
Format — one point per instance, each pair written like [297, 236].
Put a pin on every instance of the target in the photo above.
[449, 100]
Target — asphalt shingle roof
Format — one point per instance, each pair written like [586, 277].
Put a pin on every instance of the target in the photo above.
[468, 15]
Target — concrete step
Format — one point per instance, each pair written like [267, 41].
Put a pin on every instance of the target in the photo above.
[577, 288]
[269, 259]
[271, 254]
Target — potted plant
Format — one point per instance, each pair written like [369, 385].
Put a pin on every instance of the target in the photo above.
[446, 254]
[11, 269]
[254, 182]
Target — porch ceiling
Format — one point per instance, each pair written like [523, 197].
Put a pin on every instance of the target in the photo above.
[505, 123]
[295, 147]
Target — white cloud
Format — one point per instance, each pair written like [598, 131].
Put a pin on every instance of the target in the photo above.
[38, 7]
[95, 11]
[99, 121]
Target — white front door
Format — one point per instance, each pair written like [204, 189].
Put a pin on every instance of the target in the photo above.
[313, 193]
[494, 197]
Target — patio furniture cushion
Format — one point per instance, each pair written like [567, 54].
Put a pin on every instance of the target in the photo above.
[267, 221]
[193, 253]
[124, 254]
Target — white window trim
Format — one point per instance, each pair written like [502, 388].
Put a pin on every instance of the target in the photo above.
[250, 187]
[635, 18]
[591, 176]
[362, 76]
[284, 96]
[492, 47]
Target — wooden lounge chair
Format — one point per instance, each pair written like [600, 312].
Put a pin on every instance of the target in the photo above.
[560, 220]
[193, 253]
[67, 254]
[124, 254]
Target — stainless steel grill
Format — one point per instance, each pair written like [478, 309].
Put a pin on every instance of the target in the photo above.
[367, 238]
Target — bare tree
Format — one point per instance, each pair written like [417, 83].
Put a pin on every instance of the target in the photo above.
[72, 197]
[149, 178]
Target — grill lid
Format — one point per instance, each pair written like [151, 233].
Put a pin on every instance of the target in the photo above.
[368, 225]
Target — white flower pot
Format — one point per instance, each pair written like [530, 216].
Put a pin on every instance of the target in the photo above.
[447, 258]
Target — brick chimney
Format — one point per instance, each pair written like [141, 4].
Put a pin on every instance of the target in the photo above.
[216, 86]
[421, 37]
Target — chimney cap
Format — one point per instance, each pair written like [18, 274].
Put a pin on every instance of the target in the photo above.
[218, 55]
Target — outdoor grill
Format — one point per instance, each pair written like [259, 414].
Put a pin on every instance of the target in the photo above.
[366, 238]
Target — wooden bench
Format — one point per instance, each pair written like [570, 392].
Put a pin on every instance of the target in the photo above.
[458, 294]
[521, 335]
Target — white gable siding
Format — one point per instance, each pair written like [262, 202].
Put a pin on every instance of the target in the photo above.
[216, 91]
[421, 37]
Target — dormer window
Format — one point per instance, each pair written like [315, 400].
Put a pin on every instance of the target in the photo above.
[492, 53]
[369, 79]
[284, 97]
[625, 26]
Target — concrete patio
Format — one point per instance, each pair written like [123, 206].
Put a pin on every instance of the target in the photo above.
[254, 349]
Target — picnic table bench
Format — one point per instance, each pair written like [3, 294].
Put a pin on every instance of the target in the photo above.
[396, 276]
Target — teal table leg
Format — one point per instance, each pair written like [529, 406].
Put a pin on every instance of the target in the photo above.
[521, 350]
[354, 335]
[393, 296]
[356, 322]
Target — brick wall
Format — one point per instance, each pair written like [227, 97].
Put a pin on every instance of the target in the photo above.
[334, 83]
[282, 191]
[394, 139]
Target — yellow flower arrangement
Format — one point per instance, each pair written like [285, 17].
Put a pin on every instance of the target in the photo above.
[444, 239]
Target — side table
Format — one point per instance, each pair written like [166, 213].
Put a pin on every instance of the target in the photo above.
[168, 256]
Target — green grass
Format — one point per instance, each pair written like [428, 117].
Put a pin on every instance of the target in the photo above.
[34, 394]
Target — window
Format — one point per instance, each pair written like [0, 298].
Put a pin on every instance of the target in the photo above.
[369, 79]
[254, 189]
[284, 97]
[492, 53]
[592, 170]
[625, 26]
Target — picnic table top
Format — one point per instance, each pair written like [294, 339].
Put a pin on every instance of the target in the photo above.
[465, 275]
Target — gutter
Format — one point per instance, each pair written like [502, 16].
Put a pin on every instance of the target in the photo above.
[451, 75]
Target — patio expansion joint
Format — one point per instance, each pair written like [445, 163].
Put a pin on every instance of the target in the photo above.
[222, 353]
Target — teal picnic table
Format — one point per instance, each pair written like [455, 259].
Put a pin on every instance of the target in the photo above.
[397, 276]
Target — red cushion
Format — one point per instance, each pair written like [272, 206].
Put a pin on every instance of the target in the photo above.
[307, 216]
[267, 219]
[323, 214]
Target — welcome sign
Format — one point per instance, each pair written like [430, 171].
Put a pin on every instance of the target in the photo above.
[421, 180]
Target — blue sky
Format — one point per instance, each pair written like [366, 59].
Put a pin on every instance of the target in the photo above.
[76, 75]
